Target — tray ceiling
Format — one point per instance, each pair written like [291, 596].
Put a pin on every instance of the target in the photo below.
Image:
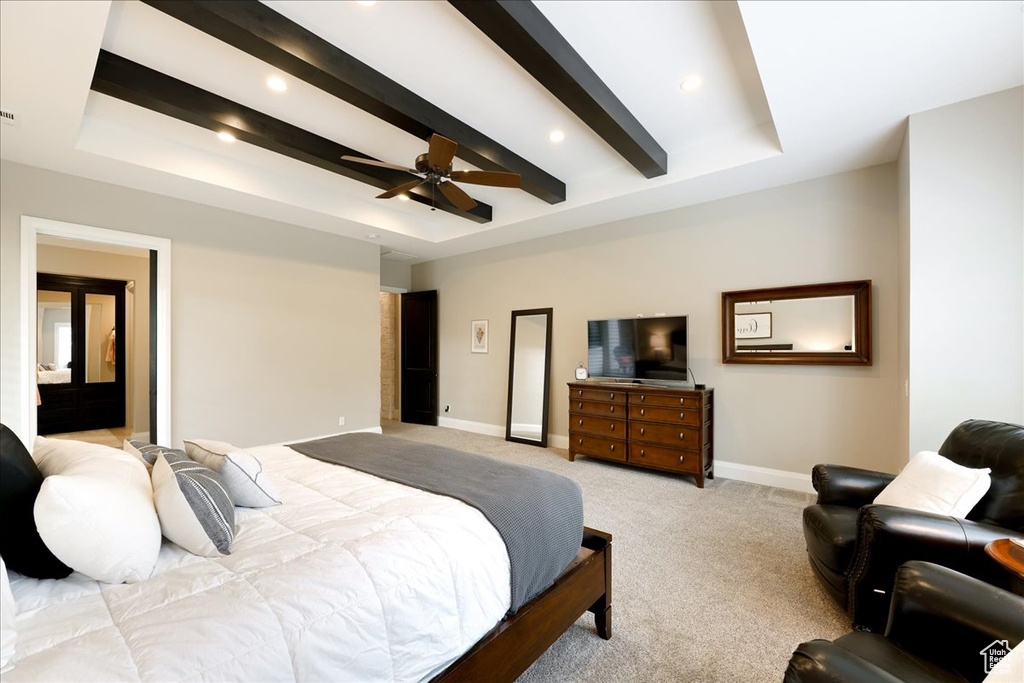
[791, 91]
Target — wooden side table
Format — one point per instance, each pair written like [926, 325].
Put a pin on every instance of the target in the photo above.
[1011, 556]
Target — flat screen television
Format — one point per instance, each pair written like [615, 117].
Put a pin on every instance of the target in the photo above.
[647, 350]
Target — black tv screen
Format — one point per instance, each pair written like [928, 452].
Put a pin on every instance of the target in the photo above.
[638, 348]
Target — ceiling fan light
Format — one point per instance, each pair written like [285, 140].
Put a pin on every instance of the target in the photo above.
[556, 136]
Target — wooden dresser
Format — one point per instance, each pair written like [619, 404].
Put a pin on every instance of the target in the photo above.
[656, 427]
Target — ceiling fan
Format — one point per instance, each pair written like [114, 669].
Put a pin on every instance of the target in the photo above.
[436, 168]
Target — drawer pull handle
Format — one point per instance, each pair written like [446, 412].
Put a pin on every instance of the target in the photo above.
[682, 401]
[642, 412]
[682, 436]
[581, 405]
[612, 426]
[682, 458]
[642, 431]
[641, 452]
[612, 447]
[611, 397]
[613, 409]
[581, 422]
[682, 416]
[580, 393]
[642, 398]
[581, 442]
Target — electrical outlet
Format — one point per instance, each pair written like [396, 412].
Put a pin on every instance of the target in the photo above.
[341, 421]
[447, 408]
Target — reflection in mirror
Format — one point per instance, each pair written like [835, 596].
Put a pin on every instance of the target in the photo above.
[53, 335]
[100, 338]
[529, 375]
[824, 324]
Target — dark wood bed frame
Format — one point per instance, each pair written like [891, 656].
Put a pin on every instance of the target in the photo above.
[514, 644]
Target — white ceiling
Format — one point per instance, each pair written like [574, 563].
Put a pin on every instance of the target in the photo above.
[793, 90]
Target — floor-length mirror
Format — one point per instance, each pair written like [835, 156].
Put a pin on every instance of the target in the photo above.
[529, 374]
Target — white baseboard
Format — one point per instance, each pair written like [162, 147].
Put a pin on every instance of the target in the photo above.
[793, 481]
[470, 426]
[782, 479]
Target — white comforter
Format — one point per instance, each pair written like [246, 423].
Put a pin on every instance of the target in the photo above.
[353, 578]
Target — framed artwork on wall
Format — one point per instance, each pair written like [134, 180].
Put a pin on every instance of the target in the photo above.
[478, 344]
[753, 325]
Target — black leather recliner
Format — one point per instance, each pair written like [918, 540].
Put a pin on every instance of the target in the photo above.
[939, 623]
[855, 547]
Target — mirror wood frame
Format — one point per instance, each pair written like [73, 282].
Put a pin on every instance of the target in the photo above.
[859, 289]
[543, 441]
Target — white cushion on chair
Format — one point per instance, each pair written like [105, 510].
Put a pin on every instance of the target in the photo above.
[932, 483]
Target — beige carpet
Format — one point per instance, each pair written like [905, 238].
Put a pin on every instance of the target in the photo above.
[708, 585]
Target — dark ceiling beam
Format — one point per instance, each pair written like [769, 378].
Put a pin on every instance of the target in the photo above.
[256, 29]
[522, 31]
[142, 86]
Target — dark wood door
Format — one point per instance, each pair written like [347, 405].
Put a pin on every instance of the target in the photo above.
[419, 358]
[82, 379]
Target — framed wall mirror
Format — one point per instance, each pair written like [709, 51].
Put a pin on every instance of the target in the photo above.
[529, 374]
[824, 324]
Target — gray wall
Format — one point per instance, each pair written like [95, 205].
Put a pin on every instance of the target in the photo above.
[830, 229]
[966, 265]
[254, 357]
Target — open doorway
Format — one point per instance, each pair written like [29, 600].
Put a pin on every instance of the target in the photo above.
[390, 358]
[35, 232]
[96, 387]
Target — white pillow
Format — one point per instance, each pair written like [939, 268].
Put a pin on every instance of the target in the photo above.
[247, 483]
[95, 510]
[932, 483]
[8, 636]
[194, 508]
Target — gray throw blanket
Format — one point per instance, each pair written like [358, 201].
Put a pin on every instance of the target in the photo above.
[538, 514]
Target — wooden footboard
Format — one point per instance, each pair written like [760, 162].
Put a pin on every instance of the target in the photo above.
[511, 646]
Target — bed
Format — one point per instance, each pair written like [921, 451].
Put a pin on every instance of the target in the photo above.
[353, 577]
[61, 376]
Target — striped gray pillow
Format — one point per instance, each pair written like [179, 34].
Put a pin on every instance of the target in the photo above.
[193, 504]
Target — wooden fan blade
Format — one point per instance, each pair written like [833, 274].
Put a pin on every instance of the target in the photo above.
[441, 152]
[457, 196]
[401, 189]
[374, 162]
[493, 178]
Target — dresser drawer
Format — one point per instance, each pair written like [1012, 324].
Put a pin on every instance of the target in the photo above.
[664, 458]
[677, 416]
[617, 410]
[596, 394]
[585, 444]
[690, 401]
[665, 435]
[599, 426]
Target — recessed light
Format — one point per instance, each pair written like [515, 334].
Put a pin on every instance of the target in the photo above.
[556, 136]
[277, 84]
[403, 197]
[366, 3]
[373, 236]
[225, 136]
[692, 83]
